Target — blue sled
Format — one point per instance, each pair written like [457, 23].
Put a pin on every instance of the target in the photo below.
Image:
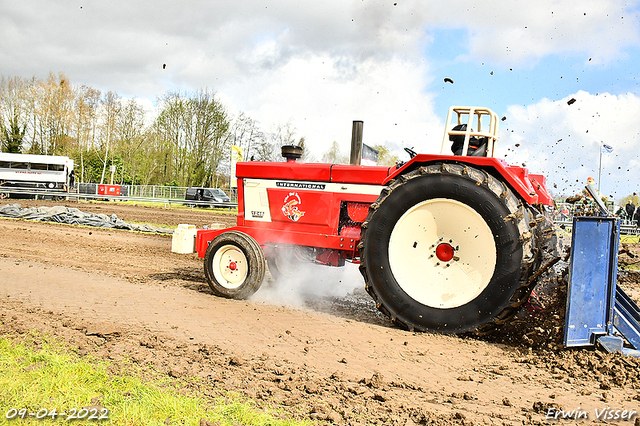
[598, 311]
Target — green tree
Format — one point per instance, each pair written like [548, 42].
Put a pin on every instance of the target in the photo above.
[385, 156]
[210, 142]
[188, 144]
[634, 199]
[13, 136]
[13, 113]
[150, 159]
[193, 131]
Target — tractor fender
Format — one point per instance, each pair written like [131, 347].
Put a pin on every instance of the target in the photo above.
[530, 187]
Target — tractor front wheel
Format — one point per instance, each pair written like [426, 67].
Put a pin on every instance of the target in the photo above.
[234, 265]
[447, 248]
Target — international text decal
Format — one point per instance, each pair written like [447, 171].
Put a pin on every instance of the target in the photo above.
[290, 207]
[301, 185]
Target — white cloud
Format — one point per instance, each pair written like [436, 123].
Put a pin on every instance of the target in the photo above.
[329, 94]
[224, 37]
[563, 141]
[516, 32]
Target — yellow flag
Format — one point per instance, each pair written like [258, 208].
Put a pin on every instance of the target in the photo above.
[236, 155]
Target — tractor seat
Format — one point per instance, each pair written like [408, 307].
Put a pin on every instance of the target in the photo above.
[477, 146]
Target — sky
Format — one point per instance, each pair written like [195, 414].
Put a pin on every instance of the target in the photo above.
[320, 65]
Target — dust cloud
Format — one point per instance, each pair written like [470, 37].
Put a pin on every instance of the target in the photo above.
[308, 283]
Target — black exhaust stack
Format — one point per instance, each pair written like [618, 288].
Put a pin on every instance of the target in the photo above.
[356, 143]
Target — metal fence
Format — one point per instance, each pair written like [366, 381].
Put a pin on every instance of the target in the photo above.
[166, 195]
[564, 213]
[150, 191]
[156, 191]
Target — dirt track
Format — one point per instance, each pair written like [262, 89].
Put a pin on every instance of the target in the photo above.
[324, 355]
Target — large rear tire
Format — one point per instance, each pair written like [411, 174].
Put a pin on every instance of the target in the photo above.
[448, 248]
[234, 265]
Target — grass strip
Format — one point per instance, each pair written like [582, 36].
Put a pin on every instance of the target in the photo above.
[42, 376]
[179, 206]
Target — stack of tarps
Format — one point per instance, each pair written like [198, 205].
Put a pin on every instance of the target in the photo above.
[61, 214]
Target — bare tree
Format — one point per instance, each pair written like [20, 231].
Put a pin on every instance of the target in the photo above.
[129, 134]
[269, 149]
[54, 106]
[189, 142]
[307, 155]
[170, 129]
[334, 156]
[245, 133]
[110, 109]
[87, 101]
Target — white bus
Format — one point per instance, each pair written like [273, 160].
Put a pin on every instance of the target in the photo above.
[50, 172]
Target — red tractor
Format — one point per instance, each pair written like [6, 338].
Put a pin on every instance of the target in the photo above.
[445, 242]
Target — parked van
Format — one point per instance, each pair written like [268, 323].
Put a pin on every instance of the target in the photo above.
[215, 195]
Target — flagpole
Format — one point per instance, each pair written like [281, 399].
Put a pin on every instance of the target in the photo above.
[600, 168]
[606, 149]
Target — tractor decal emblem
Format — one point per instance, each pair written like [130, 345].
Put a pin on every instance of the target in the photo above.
[290, 207]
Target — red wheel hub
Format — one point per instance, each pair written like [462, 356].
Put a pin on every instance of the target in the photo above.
[444, 252]
[233, 266]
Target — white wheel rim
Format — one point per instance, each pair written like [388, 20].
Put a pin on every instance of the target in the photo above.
[230, 266]
[434, 282]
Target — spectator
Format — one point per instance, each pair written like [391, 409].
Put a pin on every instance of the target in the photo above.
[630, 208]
[636, 216]
[72, 179]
